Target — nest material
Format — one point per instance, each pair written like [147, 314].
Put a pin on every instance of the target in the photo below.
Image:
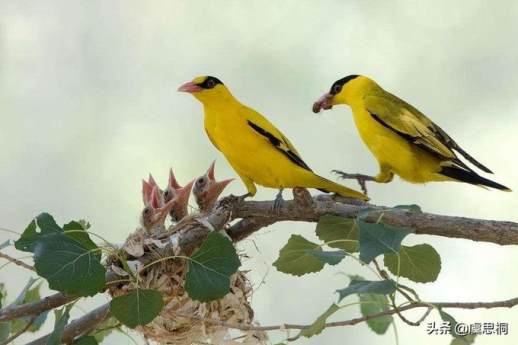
[184, 321]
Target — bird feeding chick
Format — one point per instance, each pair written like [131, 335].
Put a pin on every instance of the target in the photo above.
[404, 141]
[206, 189]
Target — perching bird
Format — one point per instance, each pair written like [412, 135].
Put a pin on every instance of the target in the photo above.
[155, 211]
[403, 140]
[206, 189]
[254, 147]
[181, 196]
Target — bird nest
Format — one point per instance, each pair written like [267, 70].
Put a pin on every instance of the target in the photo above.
[182, 321]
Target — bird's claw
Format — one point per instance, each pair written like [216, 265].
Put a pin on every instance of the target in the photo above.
[360, 178]
[278, 202]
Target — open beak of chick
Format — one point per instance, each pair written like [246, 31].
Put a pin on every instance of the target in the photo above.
[155, 210]
[207, 190]
[325, 102]
[147, 188]
[179, 196]
[190, 87]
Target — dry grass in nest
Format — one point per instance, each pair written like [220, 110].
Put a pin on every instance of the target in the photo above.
[184, 321]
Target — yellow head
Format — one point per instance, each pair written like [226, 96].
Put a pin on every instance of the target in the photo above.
[344, 91]
[207, 89]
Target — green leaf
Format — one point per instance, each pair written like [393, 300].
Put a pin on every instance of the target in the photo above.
[41, 226]
[420, 263]
[62, 317]
[86, 340]
[328, 257]
[68, 266]
[464, 340]
[381, 287]
[379, 238]
[29, 295]
[373, 304]
[295, 257]
[210, 268]
[137, 308]
[109, 325]
[319, 324]
[5, 330]
[6, 244]
[334, 228]
[77, 231]
[3, 294]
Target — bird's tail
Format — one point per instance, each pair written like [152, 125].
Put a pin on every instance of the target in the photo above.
[467, 176]
[328, 186]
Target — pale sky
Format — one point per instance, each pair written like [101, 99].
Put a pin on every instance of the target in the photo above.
[89, 106]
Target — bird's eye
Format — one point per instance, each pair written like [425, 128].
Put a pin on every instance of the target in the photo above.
[211, 83]
[337, 88]
[166, 193]
[201, 181]
[146, 210]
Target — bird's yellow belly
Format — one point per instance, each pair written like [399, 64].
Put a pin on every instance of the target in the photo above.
[404, 159]
[252, 157]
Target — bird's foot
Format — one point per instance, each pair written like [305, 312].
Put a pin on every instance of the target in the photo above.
[278, 202]
[242, 198]
[362, 179]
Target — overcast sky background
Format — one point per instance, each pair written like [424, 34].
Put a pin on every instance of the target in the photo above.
[88, 107]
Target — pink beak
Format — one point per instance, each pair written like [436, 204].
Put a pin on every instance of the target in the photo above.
[324, 102]
[190, 87]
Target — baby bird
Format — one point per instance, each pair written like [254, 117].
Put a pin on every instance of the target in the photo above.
[180, 195]
[155, 211]
[206, 189]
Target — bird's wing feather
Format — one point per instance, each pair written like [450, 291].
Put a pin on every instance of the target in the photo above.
[266, 129]
[415, 127]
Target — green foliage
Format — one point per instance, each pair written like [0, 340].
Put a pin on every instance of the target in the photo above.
[137, 308]
[319, 324]
[42, 226]
[380, 287]
[465, 340]
[420, 263]
[373, 304]
[61, 317]
[210, 268]
[86, 340]
[328, 257]
[5, 330]
[296, 257]
[28, 295]
[379, 238]
[331, 228]
[69, 266]
[109, 325]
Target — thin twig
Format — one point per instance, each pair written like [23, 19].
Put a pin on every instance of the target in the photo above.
[462, 305]
[17, 262]
[20, 332]
[35, 308]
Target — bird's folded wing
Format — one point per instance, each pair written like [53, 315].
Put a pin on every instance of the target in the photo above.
[409, 123]
[274, 137]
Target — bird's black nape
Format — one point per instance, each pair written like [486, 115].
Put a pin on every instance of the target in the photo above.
[337, 85]
[210, 82]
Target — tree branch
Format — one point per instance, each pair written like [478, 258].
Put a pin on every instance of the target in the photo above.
[460, 305]
[16, 261]
[499, 232]
[78, 327]
[35, 308]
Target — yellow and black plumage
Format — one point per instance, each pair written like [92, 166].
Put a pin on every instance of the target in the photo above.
[404, 141]
[253, 146]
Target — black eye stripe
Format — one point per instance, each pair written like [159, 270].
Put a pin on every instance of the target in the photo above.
[210, 82]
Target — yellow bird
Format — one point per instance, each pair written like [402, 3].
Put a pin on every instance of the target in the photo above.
[254, 147]
[404, 141]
